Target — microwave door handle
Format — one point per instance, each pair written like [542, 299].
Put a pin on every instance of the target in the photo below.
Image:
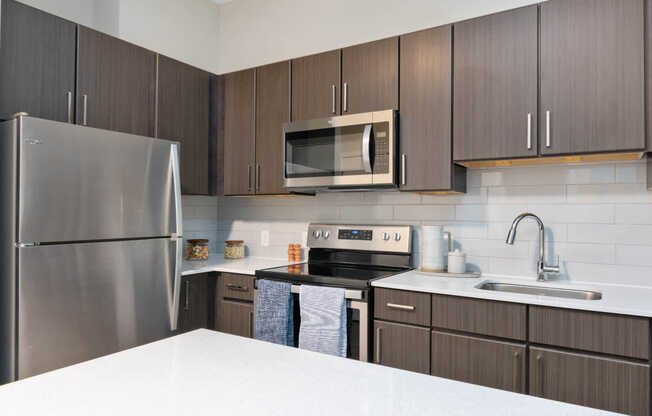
[366, 148]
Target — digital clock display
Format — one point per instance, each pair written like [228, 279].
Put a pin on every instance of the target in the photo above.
[355, 235]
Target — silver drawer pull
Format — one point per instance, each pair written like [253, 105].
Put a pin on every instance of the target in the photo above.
[400, 307]
[237, 287]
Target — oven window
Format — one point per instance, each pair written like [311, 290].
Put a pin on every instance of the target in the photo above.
[333, 151]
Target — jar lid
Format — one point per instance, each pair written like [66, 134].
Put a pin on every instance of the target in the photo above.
[456, 253]
[233, 242]
[198, 241]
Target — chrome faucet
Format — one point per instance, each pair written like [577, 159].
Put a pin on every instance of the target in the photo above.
[542, 269]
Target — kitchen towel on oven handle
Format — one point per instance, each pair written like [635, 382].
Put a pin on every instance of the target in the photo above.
[323, 320]
[274, 312]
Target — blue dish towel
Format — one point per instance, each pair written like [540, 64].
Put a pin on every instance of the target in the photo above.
[274, 313]
[323, 320]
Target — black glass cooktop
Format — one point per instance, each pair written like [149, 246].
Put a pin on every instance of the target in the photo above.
[328, 274]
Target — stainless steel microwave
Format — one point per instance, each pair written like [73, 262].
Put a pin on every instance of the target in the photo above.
[352, 151]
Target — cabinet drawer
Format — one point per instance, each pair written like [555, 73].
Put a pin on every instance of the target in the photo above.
[500, 365]
[626, 336]
[601, 383]
[236, 286]
[402, 346]
[485, 317]
[401, 306]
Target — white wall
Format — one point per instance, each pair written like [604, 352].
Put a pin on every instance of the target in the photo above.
[598, 219]
[256, 32]
[184, 30]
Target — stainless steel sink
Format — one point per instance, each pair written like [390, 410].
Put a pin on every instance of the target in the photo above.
[541, 291]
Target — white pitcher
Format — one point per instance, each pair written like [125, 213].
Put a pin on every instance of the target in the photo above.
[434, 248]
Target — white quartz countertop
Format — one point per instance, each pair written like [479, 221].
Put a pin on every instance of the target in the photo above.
[626, 300]
[247, 265]
[210, 373]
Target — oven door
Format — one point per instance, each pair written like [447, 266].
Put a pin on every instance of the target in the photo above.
[347, 151]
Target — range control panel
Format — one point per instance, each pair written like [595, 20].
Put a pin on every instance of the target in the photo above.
[355, 234]
[388, 238]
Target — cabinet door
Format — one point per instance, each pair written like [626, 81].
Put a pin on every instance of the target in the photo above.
[116, 84]
[197, 300]
[37, 63]
[500, 365]
[183, 115]
[239, 157]
[370, 77]
[235, 318]
[648, 81]
[426, 112]
[272, 110]
[592, 88]
[402, 346]
[602, 383]
[316, 86]
[495, 86]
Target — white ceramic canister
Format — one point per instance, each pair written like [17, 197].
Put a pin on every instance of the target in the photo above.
[434, 248]
[456, 261]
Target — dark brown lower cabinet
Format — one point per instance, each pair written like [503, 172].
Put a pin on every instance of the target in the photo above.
[235, 317]
[480, 361]
[197, 302]
[587, 380]
[402, 346]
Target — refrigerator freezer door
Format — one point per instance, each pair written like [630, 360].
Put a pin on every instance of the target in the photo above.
[79, 184]
[81, 301]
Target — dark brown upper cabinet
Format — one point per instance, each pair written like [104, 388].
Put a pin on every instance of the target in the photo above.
[426, 113]
[316, 86]
[592, 87]
[370, 76]
[37, 63]
[272, 110]
[116, 84]
[239, 123]
[495, 86]
[183, 115]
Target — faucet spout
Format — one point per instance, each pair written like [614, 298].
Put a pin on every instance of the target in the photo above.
[542, 269]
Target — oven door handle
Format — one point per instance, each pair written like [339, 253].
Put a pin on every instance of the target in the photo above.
[349, 294]
[366, 148]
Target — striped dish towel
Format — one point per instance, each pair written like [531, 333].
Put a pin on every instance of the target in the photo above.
[323, 320]
[274, 313]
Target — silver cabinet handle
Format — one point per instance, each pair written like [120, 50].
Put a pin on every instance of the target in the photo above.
[403, 167]
[85, 114]
[366, 150]
[541, 377]
[257, 177]
[69, 98]
[187, 304]
[249, 178]
[401, 307]
[333, 109]
[378, 356]
[251, 324]
[517, 372]
[547, 128]
[529, 131]
[346, 98]
[237, 288]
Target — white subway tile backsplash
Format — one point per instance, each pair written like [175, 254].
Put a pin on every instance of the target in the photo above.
[598, 219]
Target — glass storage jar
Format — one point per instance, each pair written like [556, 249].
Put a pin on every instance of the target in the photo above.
[234, 249]
[197, 250]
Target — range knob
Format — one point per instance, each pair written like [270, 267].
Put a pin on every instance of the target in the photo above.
[316, 234]
[326, 234]
[397, 237]
[386, 236]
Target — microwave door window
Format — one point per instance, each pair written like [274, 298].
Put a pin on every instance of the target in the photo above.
[325, 152]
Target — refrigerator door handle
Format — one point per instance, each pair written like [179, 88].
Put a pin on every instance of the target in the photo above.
[177, 238]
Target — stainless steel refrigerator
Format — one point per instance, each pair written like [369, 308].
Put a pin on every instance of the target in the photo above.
[91, 244]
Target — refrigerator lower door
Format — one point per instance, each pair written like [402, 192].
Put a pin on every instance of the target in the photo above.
[79, 183]
[81, 301]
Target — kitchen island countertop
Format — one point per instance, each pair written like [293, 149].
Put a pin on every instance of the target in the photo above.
[210, 373]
